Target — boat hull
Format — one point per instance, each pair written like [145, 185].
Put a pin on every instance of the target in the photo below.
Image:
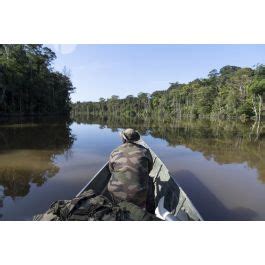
[171, 202]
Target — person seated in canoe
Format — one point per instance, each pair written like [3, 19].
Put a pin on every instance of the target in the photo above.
[130, 165]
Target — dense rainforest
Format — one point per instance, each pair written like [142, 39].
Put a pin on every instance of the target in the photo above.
[232, 92]
[28, 83]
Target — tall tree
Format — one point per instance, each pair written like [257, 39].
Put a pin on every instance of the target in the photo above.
[28, 83]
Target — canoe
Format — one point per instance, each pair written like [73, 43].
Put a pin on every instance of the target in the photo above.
[171, 202]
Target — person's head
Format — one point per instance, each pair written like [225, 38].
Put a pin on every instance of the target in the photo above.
[130, 135]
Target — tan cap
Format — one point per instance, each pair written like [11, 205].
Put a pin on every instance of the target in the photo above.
[130, 135]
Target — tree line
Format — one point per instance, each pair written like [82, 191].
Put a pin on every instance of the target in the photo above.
[232, 92]
[29, 84]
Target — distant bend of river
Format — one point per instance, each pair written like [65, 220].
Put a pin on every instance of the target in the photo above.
[219, 164]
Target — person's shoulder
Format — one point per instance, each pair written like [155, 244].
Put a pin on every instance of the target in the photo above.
[117, 149]
[143, 148]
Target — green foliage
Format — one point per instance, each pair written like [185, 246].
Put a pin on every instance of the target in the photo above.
[213, 73]
[233, 92]
[258, 87]
[228, 70]
[28, 84]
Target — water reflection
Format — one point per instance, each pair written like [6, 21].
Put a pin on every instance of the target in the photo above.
[219, 164]
[224, 141]
[27, 152]
[211, 208]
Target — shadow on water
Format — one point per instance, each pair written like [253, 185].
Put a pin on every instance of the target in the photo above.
[209, 206]
[27, 153]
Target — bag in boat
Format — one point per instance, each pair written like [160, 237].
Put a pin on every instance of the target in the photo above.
[91, 207]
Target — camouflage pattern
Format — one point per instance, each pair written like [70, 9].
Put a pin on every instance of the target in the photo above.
[91, 207]
[130, 165]
[61, 210]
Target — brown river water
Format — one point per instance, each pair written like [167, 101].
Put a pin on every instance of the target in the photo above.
[220, 164]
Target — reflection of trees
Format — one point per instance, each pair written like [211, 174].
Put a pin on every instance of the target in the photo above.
[1, 198]
[16, 176]
[37, 134]
[27, 152]
[224, 141]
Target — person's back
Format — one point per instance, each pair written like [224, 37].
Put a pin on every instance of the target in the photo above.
[130, 165]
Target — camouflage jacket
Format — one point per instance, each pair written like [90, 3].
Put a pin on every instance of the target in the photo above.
[130, 165]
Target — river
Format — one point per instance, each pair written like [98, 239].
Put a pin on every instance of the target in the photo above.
[220, 164]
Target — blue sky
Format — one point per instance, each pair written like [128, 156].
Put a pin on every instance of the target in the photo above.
[105, 70]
